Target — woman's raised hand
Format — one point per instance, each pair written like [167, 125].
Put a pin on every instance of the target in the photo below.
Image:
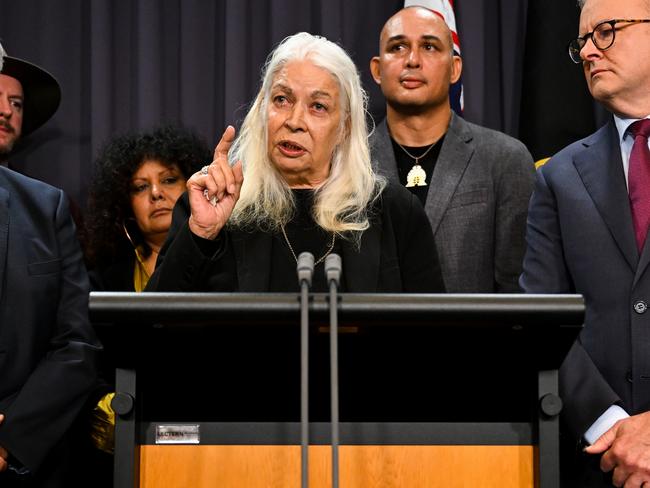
[214, 191]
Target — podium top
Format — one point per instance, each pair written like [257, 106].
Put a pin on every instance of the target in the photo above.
[398, 353]
[386, 309]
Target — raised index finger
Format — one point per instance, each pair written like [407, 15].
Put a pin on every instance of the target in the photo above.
[221, 151]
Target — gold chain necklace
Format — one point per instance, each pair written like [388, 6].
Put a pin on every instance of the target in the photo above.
[321, 259]
[416, 176]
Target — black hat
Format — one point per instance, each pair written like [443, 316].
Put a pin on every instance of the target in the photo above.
[40, 89]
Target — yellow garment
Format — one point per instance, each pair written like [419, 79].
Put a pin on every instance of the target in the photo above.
[140, 275]
[102, 425]
[541, 162]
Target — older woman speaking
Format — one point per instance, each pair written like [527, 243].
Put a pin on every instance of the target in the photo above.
[302, 181]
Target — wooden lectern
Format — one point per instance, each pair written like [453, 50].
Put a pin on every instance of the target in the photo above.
[435, 390]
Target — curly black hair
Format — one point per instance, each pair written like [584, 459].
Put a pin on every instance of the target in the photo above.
[109, 208]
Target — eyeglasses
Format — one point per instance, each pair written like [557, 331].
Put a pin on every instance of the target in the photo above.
[602, 36]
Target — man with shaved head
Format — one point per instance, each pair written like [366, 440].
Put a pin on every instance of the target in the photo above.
[587, 233]
[473, 182]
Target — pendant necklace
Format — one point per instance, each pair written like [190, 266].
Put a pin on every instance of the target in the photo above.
[416, 176]
[321, 259]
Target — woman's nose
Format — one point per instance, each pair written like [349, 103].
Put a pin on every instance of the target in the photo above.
[296, 121]
[156, 192]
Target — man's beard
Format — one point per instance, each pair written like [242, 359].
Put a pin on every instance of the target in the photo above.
[7, 147]
[5, 152]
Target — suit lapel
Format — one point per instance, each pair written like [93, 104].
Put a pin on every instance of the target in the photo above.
[601, 170]
[361, 268]
[644, 260]
[4, 235]
[454, 157]
[253, 255]
[383, 154]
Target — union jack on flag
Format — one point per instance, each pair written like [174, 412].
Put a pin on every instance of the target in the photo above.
[445, 9]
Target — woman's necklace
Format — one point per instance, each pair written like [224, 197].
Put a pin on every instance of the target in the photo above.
[320, 260]
[416, 176]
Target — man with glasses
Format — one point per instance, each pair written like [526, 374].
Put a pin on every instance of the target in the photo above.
[587, 227]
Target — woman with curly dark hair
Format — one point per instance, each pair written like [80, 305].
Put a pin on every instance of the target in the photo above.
[138, 178]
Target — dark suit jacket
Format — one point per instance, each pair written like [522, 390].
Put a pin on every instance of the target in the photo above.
[581, 240]
[477, 204]
[47, 345]
[397, 254]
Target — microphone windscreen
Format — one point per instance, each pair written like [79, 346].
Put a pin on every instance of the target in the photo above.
[333, 268]
[305, 267]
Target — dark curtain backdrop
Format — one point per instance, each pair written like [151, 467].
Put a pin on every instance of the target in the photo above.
[556, 106]
[130, 64]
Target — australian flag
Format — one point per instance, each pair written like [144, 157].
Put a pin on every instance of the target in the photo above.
[445, 9]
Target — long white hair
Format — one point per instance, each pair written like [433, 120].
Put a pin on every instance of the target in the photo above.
[2, 57]
[341, 203]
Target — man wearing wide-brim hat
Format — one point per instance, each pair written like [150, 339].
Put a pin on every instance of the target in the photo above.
[30, 96]
[47, 345]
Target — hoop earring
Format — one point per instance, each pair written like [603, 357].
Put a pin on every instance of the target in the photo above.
[128, 236]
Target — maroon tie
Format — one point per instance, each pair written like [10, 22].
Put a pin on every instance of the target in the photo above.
[639, 180]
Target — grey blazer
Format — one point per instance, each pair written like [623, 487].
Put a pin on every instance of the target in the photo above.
[476, 205]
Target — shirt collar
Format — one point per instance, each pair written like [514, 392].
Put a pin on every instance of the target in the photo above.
[623, 124]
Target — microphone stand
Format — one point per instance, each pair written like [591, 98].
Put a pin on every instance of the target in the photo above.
[305, 269]
[333, 273]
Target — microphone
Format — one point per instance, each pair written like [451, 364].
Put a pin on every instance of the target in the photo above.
[333, 269]
[305, 267]
[305, 270]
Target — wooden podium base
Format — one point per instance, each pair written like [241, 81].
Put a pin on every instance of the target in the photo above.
[236, 466]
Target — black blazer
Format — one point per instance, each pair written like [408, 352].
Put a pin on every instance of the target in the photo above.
[397, 254]
[47, 345]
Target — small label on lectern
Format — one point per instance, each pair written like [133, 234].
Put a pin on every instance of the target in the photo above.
[177, 434]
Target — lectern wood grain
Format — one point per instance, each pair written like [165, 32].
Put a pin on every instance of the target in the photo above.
[360, 466]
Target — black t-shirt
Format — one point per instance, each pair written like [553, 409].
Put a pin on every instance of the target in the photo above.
[304, 235]
[405, 163]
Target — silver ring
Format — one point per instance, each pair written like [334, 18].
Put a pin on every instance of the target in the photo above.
[213, 201]
[204, 170]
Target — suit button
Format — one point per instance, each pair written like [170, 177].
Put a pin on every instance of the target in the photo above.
[640, 306]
